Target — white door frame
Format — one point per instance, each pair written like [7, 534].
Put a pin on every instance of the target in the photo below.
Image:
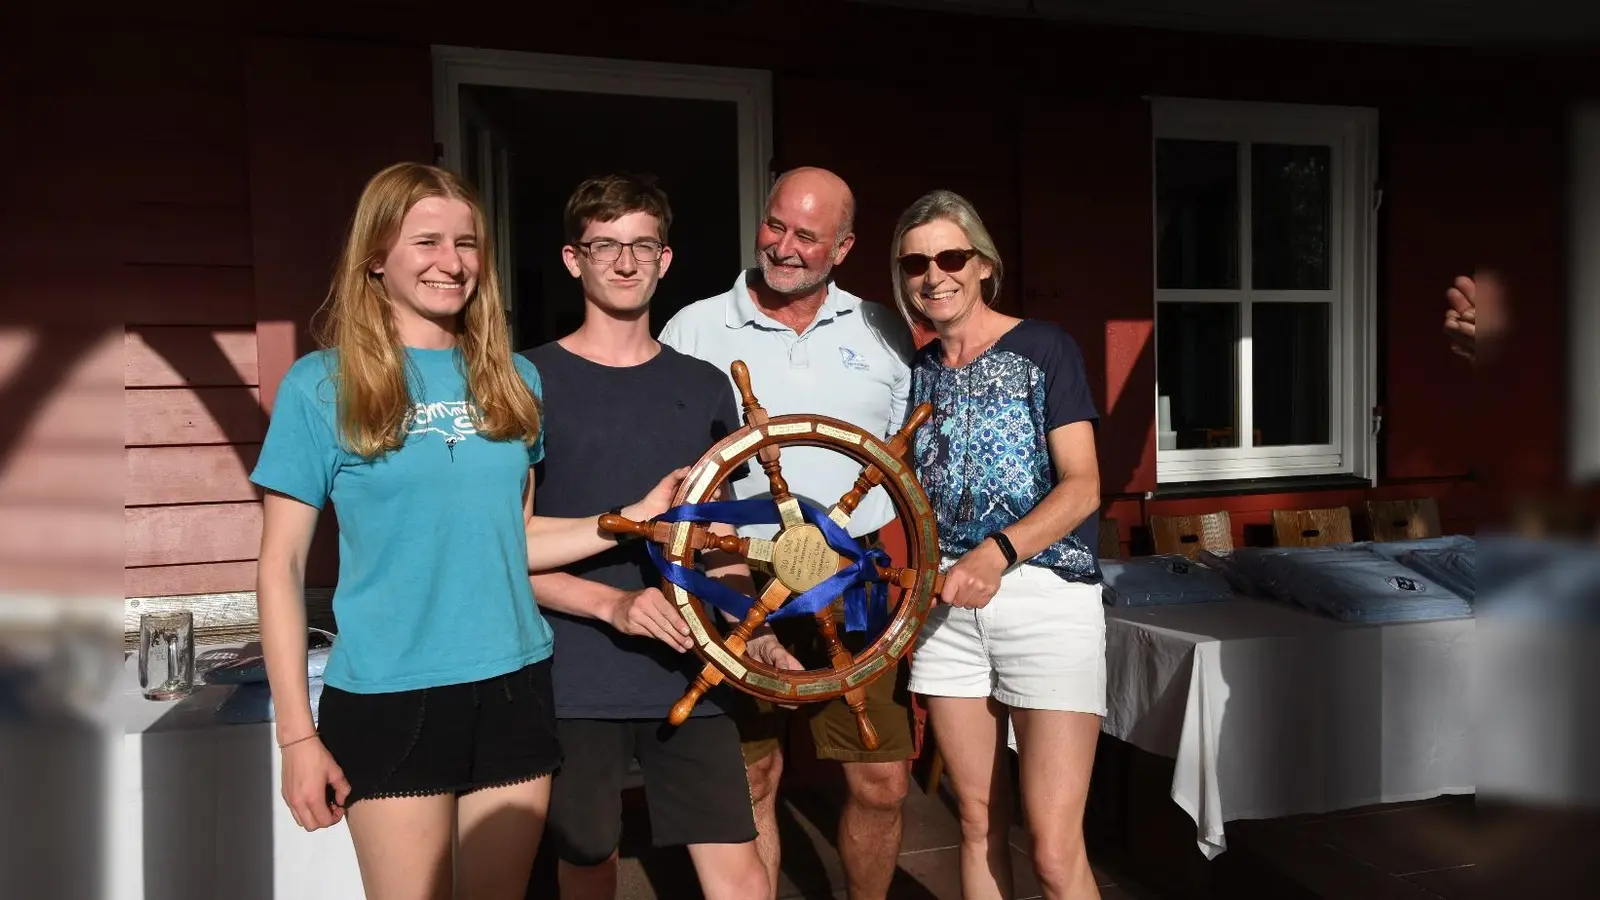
[750, 90]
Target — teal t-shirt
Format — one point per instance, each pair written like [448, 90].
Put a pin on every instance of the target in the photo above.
[433, 559]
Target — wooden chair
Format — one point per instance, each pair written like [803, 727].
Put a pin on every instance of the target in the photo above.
[1110, 539]
[1403, 520]
[1189, 535]
[1311, 527]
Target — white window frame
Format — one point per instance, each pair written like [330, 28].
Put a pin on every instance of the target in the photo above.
[750, 90]
[1352, 136]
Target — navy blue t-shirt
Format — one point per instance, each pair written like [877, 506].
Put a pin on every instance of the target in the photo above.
[610, 434]
[984, 456]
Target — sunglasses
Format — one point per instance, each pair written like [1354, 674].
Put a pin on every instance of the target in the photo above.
[914, 264]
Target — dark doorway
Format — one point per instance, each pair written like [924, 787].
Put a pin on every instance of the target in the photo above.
[552, 140]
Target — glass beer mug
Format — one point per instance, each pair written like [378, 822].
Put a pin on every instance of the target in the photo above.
[166, 655]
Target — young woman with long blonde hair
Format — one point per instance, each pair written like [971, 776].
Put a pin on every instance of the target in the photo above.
[436, 723]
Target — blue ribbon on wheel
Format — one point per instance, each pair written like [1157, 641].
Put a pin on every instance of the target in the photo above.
[866, 597]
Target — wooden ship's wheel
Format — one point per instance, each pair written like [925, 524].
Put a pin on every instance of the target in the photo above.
[811, 559]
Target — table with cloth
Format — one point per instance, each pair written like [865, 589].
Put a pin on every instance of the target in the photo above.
[1270, 710]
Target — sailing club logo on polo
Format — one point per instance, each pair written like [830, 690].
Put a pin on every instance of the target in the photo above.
[450, 419]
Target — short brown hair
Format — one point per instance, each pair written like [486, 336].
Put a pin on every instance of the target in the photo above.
[611, 197]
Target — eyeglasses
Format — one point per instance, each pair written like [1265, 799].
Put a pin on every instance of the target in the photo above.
[914, 264]
[610, 251]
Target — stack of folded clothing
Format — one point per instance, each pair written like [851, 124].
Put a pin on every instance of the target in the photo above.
[1457, 570]
[1450, 560]
[1353, 585]
[1163, 580]
[1242, 566]
[251, 702]
[1395, 549]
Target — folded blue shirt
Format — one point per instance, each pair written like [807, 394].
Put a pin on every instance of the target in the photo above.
[1357, 585]
[1160, 581]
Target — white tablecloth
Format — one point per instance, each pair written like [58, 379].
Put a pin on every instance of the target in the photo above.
[196, 813]
[1271, 711]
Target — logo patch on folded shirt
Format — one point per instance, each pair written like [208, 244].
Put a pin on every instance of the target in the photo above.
[1409, 585]
[853, 360]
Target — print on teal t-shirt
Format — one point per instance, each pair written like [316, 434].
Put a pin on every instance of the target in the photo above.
[433, 560]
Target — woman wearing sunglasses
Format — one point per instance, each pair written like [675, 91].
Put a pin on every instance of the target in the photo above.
[1008, 461]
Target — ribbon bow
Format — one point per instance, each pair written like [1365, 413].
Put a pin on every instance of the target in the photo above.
[866, 597]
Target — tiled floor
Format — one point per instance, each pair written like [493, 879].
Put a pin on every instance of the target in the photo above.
[1421, 850]
[928, 867]
[1447, 848]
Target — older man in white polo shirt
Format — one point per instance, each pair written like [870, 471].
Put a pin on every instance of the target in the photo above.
[813, 347]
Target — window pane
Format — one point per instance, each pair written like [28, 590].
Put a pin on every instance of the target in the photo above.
[1197, 214]
[1289, 353]
[1197, 367]
[1289, 219]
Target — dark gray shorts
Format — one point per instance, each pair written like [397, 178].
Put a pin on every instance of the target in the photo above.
[694, 783]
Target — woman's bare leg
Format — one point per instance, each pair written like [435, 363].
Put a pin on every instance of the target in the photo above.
[499, 837]
[403, 846]
[1056, 751]
[971, 732]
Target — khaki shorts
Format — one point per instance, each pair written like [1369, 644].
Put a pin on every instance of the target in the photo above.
[763, 725]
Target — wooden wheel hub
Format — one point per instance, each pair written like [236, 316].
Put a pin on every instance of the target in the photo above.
[799, 558]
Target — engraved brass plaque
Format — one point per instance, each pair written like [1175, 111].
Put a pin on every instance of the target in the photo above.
[741, 445]
[788, 428]
[802, 559]
[702, 487]
[760, 551]
[756, 679]
[866, 672]
[734, 667]
[838, 433]
[890, 464]
[832, 685]
[899, 645]
[789, 511]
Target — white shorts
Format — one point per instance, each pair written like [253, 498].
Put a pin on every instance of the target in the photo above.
[1039, 644]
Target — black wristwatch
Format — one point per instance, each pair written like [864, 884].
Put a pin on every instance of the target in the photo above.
[999, 537]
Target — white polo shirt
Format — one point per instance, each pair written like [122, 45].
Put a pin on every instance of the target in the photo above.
[852, 363]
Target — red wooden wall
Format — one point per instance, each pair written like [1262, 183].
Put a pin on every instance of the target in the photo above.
[240, 159]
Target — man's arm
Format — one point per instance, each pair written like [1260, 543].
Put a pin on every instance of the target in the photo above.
[896, 338]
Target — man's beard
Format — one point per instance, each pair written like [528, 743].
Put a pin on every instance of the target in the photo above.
[809, 279]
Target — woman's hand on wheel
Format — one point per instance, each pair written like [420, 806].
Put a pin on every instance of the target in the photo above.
[972, 582]
[308, 772]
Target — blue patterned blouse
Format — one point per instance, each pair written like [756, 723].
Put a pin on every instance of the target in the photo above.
[984, 458]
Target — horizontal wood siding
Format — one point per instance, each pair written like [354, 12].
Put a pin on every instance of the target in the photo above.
[180, 580]
[193, 420]
[221, 473]
[190, 356]
[163, 416]
[199, 533]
